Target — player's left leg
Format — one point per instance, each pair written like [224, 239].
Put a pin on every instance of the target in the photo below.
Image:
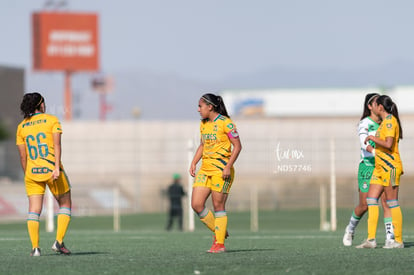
[375, 191]
[220, 190]
[391, 188]
[64, 216]
[220, 228]
[63, 220]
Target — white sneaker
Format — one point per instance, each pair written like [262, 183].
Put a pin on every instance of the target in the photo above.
[348, 237]
[368, 244]
[35, 252]
[389, 244]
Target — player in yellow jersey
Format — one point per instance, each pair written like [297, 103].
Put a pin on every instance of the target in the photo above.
[219, 148]
[368, 125]
[387, 172]
[38, 140]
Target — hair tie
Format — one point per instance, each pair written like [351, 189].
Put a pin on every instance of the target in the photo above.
[40, 102]
[372, 98]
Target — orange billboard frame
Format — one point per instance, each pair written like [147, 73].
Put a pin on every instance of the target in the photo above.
[65, 41]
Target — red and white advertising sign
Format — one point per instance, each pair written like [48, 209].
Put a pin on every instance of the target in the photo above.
[65, 41]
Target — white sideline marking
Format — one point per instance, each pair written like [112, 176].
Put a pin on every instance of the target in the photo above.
[12, 239]
[284, 237]
[146, 237]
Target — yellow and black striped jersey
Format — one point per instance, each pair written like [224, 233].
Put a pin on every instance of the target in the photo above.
[36, 133]
[215, 136]
[388, 159]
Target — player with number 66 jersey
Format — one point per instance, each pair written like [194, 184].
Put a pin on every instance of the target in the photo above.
[36, 133]
[38, 140]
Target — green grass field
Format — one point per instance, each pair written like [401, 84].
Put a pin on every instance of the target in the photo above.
[288, 242]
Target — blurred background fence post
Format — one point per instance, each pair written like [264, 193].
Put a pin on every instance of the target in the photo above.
[333, 185]
[190, 154]
[50, 221]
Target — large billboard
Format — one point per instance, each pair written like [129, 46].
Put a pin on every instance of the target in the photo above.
[65, 41]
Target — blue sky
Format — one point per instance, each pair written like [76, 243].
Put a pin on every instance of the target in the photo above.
[210, 40]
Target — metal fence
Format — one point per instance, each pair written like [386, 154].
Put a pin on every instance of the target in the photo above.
[283, 163]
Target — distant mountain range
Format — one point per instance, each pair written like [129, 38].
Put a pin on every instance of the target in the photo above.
[169, 96]
[392, 74]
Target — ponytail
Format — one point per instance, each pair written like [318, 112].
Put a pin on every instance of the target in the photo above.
[217, 102]
[391, 108]
[30, 103]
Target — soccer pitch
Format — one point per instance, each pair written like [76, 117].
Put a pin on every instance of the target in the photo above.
[288, 242]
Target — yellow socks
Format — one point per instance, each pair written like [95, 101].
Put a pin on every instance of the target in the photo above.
[33, 228]
[63, 220]
[216, 223]
[373, 214]
[397, 219]
[207, 217]
[221, 226]
[62, 225]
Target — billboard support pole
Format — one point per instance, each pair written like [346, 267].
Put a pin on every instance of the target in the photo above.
[68, 95]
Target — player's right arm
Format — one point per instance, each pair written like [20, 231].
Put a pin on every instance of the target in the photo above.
[196, 158]
[58, 152]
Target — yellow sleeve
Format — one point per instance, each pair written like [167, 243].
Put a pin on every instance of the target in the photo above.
[230, 129]
[19, 137]
[56, 126]
[391, 128]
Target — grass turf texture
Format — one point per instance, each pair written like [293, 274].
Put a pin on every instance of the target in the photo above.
[288, 242]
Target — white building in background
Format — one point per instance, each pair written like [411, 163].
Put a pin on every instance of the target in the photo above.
[323, 102]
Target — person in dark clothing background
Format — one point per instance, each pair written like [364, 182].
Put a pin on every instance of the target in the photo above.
[175, 192]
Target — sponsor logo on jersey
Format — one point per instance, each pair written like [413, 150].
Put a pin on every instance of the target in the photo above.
[208, 137]
[41, 170]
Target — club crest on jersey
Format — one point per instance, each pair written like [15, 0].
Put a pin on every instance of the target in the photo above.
[389, 125]
[371, 128]
[230, 126]
[215, 128]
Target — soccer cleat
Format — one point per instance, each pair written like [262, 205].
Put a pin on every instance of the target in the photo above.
[389, 244]
[217, 248]
[368, 244]
[35, 252]
[348, 237]
[60, 248]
